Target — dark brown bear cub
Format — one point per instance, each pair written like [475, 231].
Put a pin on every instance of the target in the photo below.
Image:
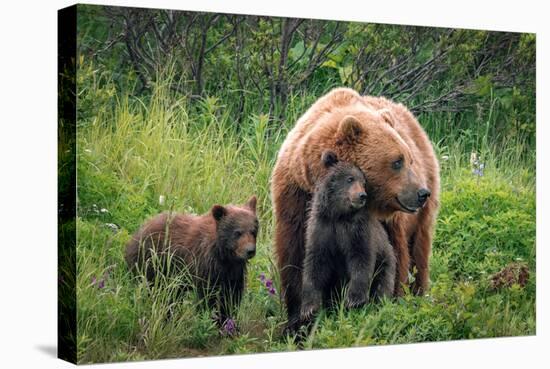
[345, 246]
[214, 248]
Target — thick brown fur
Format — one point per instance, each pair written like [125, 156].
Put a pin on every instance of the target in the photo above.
[213, 248]
[345, 245]
[372, 133]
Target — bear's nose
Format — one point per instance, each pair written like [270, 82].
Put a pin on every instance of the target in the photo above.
[250, 251]
[423, 195]
[363, 196]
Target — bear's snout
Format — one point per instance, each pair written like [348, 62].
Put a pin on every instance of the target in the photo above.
[423, 195]
[411, 201]
[250, 251]
[359, 200]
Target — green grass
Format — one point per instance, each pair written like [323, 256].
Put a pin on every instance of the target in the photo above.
[132, 151]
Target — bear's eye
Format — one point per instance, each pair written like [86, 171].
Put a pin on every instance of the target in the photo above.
[398, 164]
[237, 234]
[350, 179]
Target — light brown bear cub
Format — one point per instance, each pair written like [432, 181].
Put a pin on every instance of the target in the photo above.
[213, 247]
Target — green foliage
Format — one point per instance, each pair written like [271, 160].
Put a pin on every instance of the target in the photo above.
[197, 128]
[137, 149]
[484, 224]
[95, 92]
[260, 63]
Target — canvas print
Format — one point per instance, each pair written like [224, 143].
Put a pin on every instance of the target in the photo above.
[238, 184]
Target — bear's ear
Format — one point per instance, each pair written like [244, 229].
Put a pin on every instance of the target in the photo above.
[251, 203]
[388, 116]
[218, 212]
[329, 158]
[350, 128]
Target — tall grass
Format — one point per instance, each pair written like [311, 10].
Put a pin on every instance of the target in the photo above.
[131, 151]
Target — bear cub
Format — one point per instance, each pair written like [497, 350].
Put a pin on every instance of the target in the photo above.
[344, 245]
[214, 248]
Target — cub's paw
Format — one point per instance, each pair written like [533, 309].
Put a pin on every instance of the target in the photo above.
[382, 293]
[292, 328]
[356, 300]
[308, 312]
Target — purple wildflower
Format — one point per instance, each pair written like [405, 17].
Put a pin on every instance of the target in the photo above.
[478, 172]
[99, 284]
[477, 165]
[268, 283]
[229, 327]
[481, 167]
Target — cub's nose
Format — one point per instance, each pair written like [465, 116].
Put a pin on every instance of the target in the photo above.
[363, 196]
[423, 195]
[250, 251]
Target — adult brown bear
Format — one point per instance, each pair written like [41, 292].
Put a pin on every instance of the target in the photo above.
[383, 139]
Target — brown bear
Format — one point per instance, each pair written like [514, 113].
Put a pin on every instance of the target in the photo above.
[388, 144]
[345, 245]
[214, 248]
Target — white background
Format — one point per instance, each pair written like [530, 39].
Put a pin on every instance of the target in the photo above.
[28, 253]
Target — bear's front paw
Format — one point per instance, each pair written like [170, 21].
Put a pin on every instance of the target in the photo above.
[308, 312]
[356, 300]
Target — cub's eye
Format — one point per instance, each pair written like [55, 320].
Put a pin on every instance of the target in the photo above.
[254, 234]
[237, 234]
[350, 179]
[398, 164]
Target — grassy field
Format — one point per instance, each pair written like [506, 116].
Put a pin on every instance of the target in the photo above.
[132, 151]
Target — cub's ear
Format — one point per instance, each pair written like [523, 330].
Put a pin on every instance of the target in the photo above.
[218, 212]
[329, 158]
[251, 203]
[388, 116]
[350, 128]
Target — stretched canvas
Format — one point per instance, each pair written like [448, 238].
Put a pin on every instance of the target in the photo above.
[211, 169]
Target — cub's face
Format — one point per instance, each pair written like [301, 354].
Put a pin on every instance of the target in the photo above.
[237, 229]
[343, 186]
[372, 143]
